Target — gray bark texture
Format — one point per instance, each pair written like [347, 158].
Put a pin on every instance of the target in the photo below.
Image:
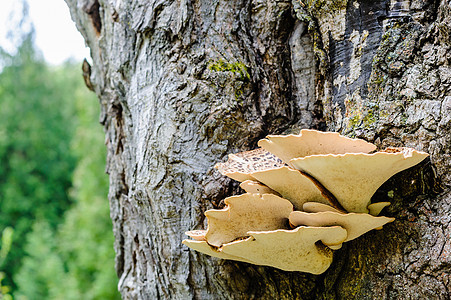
[183, 83]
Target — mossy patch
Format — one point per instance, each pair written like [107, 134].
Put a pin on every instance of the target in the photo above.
[238, 68]
[320, 6]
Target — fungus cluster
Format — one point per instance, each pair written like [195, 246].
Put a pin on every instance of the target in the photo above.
[305, 195]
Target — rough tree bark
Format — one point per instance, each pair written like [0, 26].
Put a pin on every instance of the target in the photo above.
[183, 83]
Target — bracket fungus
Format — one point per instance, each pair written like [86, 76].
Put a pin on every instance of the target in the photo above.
[306, 195]
[241, 165]
[247, 212]
[353, 178]
[290, 184]
[255, 187]
[355, 224]
[312, 142]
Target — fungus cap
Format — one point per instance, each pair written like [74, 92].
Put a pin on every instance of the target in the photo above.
[353, 178]
[247, 212]
[313, 207]
[204, 247]
[291, 184]
[355, 224]
[255, 187]
[289, 250]
[312, 142]
[376, 208]
[198, 235]
[240, 165]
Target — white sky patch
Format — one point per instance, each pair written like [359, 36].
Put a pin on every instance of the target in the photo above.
[56, 34]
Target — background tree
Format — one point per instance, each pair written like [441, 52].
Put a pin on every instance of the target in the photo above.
[6, 238]
[36, 164]
[75, 260]
[52, 188]
[184, 83]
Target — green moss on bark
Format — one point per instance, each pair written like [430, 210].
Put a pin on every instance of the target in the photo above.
[238, 68]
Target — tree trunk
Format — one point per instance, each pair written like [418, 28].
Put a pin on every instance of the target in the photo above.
[184, 83]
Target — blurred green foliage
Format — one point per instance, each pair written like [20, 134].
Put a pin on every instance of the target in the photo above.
[53, 190]
[37, 121]
[6, 239]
